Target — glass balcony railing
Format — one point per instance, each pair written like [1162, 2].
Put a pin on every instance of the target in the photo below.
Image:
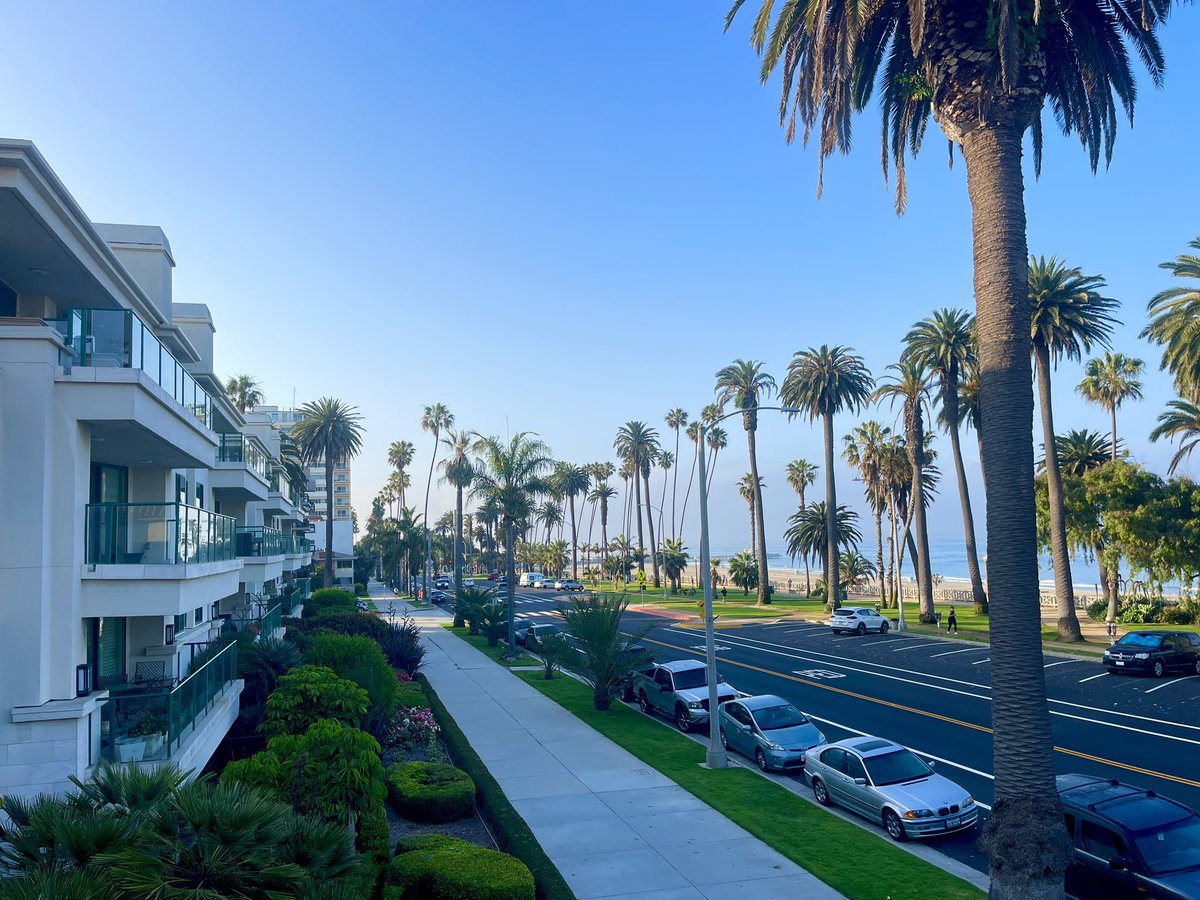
[272, 620]
[156, 534]
[239, 448]
[280, 485]
[116, 338]
[142, 722]
[260, 540]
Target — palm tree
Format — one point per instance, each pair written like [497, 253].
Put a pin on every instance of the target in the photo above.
[1181, 420]
[745, 384]
[400, 456]
[572, 480]
[458, 471]
[666, 462]
[1068, 316]
[863, 449]
[674, 558]
[509, 476]
[602, 493]
[693, 434]
[435, 420]
[856, 570]
[1109, 381]
[550, 515]
[808, 535]
[910, 385]
[677, 419]
[638, 442]
[944, 343]
[743, 570]
[823, 382]
[800, 474]
[328, 432]
[244, 392]
[718, 440]
[1080, 451]
[983, 71]
[1174, 314]
[746, 488]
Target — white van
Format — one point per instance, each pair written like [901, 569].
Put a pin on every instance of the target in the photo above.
[530, 579]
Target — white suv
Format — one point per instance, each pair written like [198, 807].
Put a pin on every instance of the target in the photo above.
[859, 619]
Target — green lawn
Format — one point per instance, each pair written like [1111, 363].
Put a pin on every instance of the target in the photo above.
[479, 642]
[804, 833]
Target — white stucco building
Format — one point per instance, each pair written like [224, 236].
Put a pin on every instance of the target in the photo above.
[140, 513]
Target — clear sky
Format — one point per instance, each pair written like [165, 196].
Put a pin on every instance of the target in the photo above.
[550, 216]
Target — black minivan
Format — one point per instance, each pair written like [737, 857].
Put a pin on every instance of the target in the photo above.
[1155, 653]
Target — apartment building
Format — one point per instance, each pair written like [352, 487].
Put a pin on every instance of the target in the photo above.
[141, 515]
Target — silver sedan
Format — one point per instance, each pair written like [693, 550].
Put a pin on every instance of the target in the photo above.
[891, 785]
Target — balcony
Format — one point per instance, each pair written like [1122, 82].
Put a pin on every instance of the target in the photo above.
[261, 541]
[280, 500]
[294, 594]
[151, 722]
[240, 472]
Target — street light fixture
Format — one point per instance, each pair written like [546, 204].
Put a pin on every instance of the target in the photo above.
[715, 757]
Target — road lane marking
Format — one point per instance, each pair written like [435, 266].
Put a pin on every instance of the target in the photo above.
[887, 641]
[982, 661]
[953, 721]
[1166, 683]
[1093, 677]
[968, 650]
[1060, 663]
[920, 645]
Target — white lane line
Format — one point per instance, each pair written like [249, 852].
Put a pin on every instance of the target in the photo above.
[886, 641]
[920, 645]
[1060, 663]
[1093, 677]
[982, 661]
[806, 628]
[968, 650]
[1167, 684]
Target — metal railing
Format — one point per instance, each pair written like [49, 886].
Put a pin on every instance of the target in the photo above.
[156, 534]
[117, 338]
[260, 540]
[278, 483]
[241, 448]
[272, 620]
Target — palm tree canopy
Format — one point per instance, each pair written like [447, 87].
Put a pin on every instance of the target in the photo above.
[1068, 313]
[800, 474]
[806, 532]
[1111, 380]
[602, 492]
[1175, 321]
[400, 454]
[1182, 421]
[1077, 55]
[944, 343]
[864, 449]
[636, 440]
[511, 474]
[457, 466]
[244, 392]
[746, 487]
[1079, 451]
[677, 418]
[718, 439]
[328, 427]
[436, 419]
[744, 383]
[909, 384]
[823, 381]
[711, 413]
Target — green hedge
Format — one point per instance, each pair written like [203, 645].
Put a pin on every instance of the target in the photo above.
[431, 792]
[438, 867]
[510, 829]
[326, 600]
[372, 842]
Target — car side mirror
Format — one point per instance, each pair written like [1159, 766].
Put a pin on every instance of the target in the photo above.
[932, 763]
[860, 781]
[1118, 863]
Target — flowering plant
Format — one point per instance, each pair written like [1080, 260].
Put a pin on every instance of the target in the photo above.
[402, 676]
[411, 727]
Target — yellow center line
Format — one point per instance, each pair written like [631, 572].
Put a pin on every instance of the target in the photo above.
[922, 712]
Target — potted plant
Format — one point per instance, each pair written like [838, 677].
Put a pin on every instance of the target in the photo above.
[151, 728]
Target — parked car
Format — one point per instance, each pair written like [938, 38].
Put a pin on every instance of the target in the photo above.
[502, 583]
[680, 690]
[538, 633]
[543, 582]
[889, 784]
[859, 619]
[1154, 653]
[438, 597]
[769, 730]
[492, 576]
[362, 605]
[1129, 842]
[530, 579]
[568, 584]
[521, 629]
[645, 662]
[442, 583]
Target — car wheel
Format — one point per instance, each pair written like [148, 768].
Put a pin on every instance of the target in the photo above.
[683, 721]
[724, 739]
[837, 631]
[895, 828]
[761, 759]
[627, 693]
[1198, 666]
[820, 792]
[862, 629]
[1158, 668]
[883, 629]
[644, 702]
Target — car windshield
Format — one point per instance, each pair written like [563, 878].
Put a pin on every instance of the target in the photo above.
[693, 678]
[1140, 640]
[894, 768]
[1172, 847]
[785, 716]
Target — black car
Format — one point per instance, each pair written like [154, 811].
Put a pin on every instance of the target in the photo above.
[1155, 653]
[520, 629]
[1129, 842]
[538, 633]
[438, 597]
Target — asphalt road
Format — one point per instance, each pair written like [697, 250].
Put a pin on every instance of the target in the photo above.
[934, 696]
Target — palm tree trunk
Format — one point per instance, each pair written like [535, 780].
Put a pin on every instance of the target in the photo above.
[604, 531]
[807, 576]
[1027, 811]
[764, 584]
[675, 485]
[712, 469]
[964, 496]
[1114, 590]
[753, 530]
[510, 570]
[428, 539]
[688, 492]
[574, 541]
[328, 517]
[892, 549]
[1113, 410]
[878, 509]
[637, 499]
[650, 525]
[1064, 590]
[924, 576]
[832, 576]
[458, 540]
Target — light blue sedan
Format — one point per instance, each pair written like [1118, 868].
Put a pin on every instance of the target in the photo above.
[769, 730]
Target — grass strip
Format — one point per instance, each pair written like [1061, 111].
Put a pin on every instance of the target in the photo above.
[496, 654]
[821, 843]
[510, 829]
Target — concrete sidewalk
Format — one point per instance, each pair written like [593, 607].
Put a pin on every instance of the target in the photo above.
[612, 826]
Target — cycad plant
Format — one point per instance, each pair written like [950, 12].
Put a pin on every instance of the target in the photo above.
[604, 661]
[743, 570]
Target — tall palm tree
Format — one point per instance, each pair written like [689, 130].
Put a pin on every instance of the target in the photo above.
[677, 419]
[808, 535]
[944, 343]
[550, 515]
[746, 489]
[1068, 316]
[718, 440]
[400, 456]
[693, 434]
[459, 470]
[863, 450]
[674, 558]
[1109, 381]
[666, 462]
[1174, 314]
[435, 419]
[983, 69]
[638, 442]
[800, 475]
[244, 392]
[1181, 420]
[509, 475]
[601, 494]
[328, 432]
[745, 384]
[823, 382]
[571, 481]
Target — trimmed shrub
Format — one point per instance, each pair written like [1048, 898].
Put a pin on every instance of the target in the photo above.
[1180, 614]
[329, 600]
[360, 589]
[447, 868]
[401, 644]
[360, 660]
[339, 621]
[372, 842]
[431, 792]
[308, 694]
[1097, 610]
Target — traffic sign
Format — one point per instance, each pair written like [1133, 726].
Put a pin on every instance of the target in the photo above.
[641, 577]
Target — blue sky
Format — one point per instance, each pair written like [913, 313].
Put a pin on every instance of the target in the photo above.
[549, 216]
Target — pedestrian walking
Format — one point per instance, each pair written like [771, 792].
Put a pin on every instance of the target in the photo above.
[952, 622]
[724, 594]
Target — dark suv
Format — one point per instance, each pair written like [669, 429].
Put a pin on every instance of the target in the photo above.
[1129, 842]
[1155, 652]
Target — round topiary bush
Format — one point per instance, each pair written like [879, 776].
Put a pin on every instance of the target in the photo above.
[431, 792]
[438, 867]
